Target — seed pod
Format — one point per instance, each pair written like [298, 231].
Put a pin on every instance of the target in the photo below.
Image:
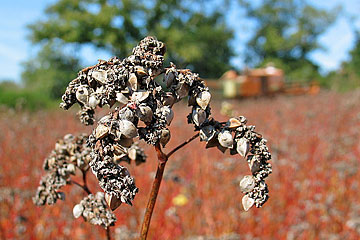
[192, 101]
[233, 123]
[168, 100]
[243, 146]
[225, 139]
[132, 154]
[119, 151]
[126, 142]
[127, 114]
[140, 71]
[78, 210]
[182, 90]
[101, 131]
[165, 137]
[203, 99]
[254, 166]
[100, 76]
[168, 113]
[145, 114]
[93, 101]
[121, 98]
[140, 96]
[82, 94]
[61, 195]
[198, 116]
[247, 183]
[247, 202]
[105, 119]
[133, 82]
[169, 78]
[207, 133]
[112, 201]
[71, 168]
[128, 129]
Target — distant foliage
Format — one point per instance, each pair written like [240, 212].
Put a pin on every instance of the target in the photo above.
[194, 33]
[286, 32]
[49, 72]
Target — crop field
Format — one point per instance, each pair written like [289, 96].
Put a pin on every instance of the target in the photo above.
[314, 187]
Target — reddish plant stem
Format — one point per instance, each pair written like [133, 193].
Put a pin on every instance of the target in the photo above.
[154, 192]
[108, 235]
[162, 159]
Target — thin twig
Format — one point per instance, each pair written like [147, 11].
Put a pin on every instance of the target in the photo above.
[86, 188]
[81, 186]
[182, 145]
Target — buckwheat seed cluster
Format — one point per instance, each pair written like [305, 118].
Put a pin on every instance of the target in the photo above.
[145, 93]
[69, 153]
[95, 211]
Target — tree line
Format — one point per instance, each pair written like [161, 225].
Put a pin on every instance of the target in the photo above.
[197, 34]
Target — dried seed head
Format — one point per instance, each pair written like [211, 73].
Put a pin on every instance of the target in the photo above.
[247, 202]
[225, 139]
[203, 99]
[247, 183]
[243, 146]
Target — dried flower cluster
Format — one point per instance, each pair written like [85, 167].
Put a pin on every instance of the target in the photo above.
[69, 153]
[94, 210]
[146, 112]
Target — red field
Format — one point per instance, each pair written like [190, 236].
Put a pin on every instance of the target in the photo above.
[314, 188]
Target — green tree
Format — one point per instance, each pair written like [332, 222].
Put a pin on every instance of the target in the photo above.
[194, 33]
[348, 77]
[286, 32]
[50, 71]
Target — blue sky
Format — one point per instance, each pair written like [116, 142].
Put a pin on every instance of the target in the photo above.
[15, 48]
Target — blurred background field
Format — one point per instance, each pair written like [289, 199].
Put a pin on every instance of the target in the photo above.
[313, 135]
[313, 189]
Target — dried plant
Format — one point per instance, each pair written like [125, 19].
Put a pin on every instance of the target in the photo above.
[145, 92]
